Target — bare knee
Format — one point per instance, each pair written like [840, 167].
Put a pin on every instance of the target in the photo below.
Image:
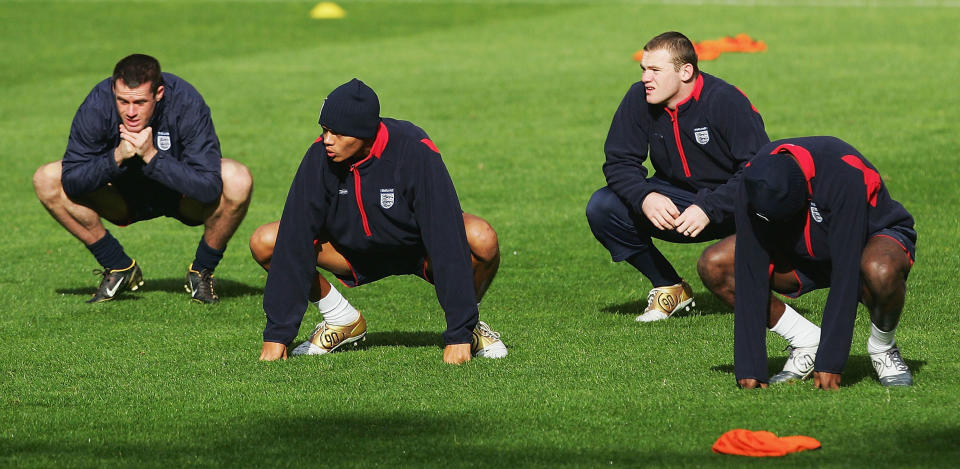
[882, 276]
[481, 237]
[262, 241]
[46, 182]
[715, 265]
[237, 181]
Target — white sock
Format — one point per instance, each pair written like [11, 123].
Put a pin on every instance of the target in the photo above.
[880, 341]
[798, 330]
[336, 310]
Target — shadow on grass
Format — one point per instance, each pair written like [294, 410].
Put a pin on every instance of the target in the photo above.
[403, 339]
[333, 437]
[393, 339]
[405, 439]
[706, 305]
[225, 288]
[858, 368]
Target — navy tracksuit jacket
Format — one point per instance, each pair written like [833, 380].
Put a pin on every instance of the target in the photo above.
[701, 146]
[398, 198]
[848, 204]
[188, 151]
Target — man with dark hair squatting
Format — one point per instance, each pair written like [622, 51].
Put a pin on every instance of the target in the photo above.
[142, 145]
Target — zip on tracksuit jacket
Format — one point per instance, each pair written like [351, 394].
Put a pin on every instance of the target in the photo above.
[188, 151]
[701, 146]
[398, 198]
[848, 204]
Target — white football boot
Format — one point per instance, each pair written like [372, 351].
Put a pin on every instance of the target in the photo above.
[891, 368]
[799, 365]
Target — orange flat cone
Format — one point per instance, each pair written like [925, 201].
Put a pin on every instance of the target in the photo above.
[762, 443]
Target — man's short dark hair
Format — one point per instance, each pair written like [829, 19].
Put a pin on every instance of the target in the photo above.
[679, 47]
[137, 69]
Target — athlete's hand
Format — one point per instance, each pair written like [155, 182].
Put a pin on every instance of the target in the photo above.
[142, 142]
[750, 383]
[660, 210]
[125, 150]
[273, 351]
[456, 354]
[824, 380]
[692, 221]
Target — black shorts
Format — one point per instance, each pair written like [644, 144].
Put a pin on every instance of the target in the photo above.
[366, 268]
[152, 202]
[816, 275]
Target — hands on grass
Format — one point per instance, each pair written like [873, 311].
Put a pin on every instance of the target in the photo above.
[273, 351]
[824, 380]
[750, 383]
[456, 354]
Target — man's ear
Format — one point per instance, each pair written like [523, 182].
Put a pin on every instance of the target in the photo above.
[686, 72]
[159, 94]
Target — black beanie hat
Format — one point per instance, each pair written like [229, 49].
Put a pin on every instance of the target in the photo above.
[352, 109]
[775, 186]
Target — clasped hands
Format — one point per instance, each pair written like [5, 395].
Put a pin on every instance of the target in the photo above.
[134, 144]
[664, 215]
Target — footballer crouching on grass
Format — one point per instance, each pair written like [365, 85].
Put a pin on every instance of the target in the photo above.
[142, 145]
[372, 198]
[813, 213]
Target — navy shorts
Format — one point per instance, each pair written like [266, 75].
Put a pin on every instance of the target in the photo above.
[816, 275]
[366, 268]
[145, 203]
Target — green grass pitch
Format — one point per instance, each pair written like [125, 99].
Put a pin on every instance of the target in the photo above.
[518, 96]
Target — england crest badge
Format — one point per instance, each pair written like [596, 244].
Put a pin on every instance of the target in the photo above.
[814, 213]
[163, 141]
[702, 135]
[386, 198]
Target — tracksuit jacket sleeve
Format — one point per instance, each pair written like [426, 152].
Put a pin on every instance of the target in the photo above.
[440, 218]
[741, 127]
[752, 276]
[88, 162]
[626, 149]
[196, 174]
[846, 238]
[293, 266]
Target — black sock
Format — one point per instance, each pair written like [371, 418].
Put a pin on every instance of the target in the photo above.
[655, 267]
[109, 253]
[207, 257]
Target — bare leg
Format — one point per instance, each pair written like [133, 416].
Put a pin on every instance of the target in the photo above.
[716, 265]
[221, 220]
[261, 247]
[82, 221]
[884, 267]
[484, 252]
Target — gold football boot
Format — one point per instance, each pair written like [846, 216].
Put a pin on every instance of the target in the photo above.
[663, 302]
[486, 343]
[327, 338]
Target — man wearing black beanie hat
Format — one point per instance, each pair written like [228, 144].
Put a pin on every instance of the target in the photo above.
[372, 198]
[813, 213]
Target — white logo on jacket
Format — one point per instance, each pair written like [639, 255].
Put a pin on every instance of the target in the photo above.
[702, 135]
[815, 213]
[163, 141]
[386, 198]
